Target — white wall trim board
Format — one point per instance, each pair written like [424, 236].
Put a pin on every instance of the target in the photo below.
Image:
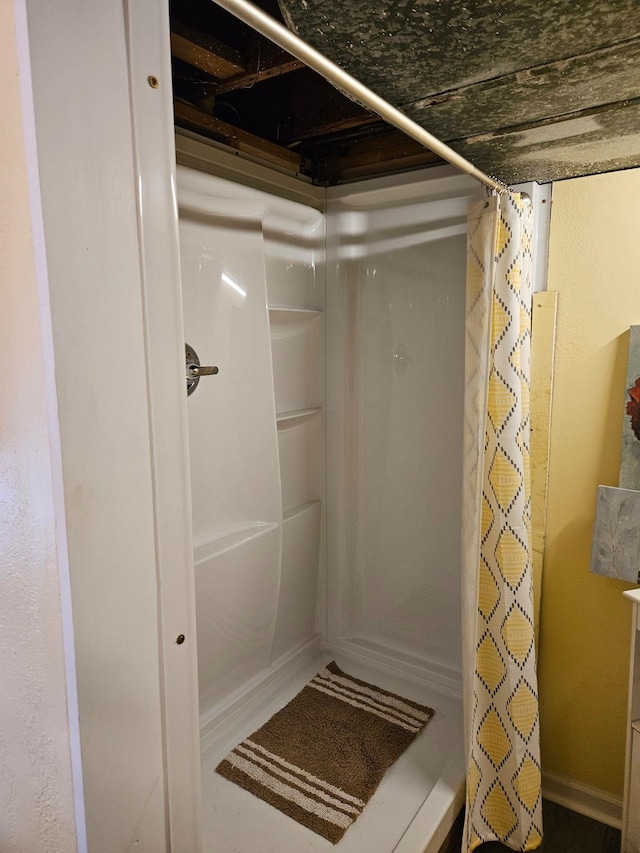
[149, 53]
[583, 799]
[95, 267]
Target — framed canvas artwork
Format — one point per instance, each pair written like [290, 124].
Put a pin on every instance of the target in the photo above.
[615, 550]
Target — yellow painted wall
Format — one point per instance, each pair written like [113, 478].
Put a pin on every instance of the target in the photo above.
[594, 265]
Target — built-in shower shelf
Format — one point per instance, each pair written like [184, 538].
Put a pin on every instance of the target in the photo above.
[299, 510]
[288, 313]
[289, 420]
[227, 538]
[289, 320]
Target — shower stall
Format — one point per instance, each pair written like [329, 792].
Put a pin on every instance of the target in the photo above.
[326, 467]
[322, 517]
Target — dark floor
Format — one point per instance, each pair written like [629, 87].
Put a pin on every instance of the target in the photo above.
[564, 832]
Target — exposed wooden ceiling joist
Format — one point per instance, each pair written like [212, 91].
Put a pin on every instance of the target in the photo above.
[205, 52]
[231, 69]
[246, 92]
[260, 74]
[248, 143]
[384, 151]
[524, 89]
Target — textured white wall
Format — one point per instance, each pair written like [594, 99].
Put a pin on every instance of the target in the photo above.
[36, 792]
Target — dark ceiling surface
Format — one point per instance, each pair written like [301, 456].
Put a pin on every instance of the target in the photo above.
[525, 89]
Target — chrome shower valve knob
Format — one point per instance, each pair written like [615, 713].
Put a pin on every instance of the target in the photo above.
[194, 370]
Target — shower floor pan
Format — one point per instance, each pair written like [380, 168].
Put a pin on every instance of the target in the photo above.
[411, 812]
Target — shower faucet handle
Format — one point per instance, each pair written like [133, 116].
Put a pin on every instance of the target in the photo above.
[194, 370]
[202, 370]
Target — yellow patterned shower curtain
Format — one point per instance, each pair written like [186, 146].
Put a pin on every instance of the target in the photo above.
[500, 684]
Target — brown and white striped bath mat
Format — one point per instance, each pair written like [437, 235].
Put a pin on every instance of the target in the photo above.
[323, 755]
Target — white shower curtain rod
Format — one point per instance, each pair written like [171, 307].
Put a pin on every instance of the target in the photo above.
[284, 38]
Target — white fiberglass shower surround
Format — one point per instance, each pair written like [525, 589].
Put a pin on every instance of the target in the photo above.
[325, 455]
[326, 489]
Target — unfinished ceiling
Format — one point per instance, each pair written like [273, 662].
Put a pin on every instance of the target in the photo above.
[526, 90]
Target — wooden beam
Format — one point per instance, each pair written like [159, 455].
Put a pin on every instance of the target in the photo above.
[350, 171]
[191, 118]
[330, 125]
[250, 78]
[204, 52]
[265, 60]
[543, 342]
[388, 152]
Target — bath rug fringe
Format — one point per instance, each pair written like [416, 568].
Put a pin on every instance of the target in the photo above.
[320, 759]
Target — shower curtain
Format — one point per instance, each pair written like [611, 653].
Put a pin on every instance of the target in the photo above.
[500, 686]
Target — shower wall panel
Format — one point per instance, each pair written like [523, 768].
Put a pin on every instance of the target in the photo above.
[395, 314]
[235, 484]
[241, 251]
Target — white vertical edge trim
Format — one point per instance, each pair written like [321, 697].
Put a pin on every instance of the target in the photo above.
[629, 735]
[53, 425]
[154, 153]
[540, 195]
